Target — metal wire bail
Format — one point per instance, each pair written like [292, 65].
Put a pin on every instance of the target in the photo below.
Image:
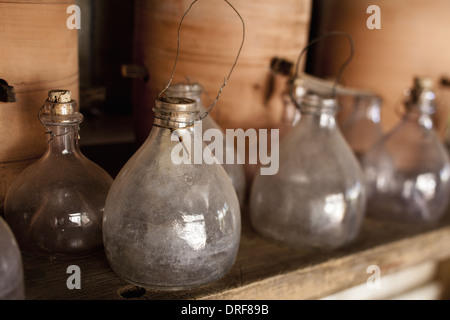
[341, 69]
[207, 110]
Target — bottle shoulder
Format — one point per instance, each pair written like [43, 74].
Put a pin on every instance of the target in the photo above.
[154, 173]
[67, 171]
[408, 135]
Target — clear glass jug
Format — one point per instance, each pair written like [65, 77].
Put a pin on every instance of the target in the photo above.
[317, 198]
[169, 223]
[408, 170]
[55, 206]
[11, 270]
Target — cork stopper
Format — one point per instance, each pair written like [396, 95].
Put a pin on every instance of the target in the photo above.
[60, 96]
[60, 108]
[423, 83]
[422, 96]
[60, 103]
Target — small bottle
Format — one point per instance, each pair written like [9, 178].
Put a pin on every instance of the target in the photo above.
[408, 171]
[55, 206]
[234, 170]
[11, 270]
[362, 129]
[170, 223]
[316, 201]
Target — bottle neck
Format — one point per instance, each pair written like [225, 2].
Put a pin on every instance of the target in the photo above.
[194, 96]
[173, 122]
[422, 118]
[319, 118]
[175, 112]
[318, 110]
[420, 105]
[187, 90]
[175, 119]
[64, 139]
[367, 109]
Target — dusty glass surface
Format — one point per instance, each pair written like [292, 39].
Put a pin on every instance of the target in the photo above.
[11, 271]
[234, 170]
[171, 226]
[317, 198]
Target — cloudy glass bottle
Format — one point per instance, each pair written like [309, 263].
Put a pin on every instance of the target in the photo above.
[234, 170]
[55, 206]
[408, 171]
[362, 129]
[316, 201]
[11, 270]
[170, 223]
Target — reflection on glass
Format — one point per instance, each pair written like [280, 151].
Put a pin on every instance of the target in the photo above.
[335, 207]
[192, 229]
[426, 184]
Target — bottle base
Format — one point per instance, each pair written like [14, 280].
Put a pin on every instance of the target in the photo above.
[168, 288]
[62, 255]
[305, 246]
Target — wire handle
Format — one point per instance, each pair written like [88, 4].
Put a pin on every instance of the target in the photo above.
[208, 110]
[48, 131]
[341, 69]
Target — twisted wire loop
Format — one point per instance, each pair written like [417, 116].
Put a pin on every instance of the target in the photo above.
[341, 69]
[48, 131]
[207, 110]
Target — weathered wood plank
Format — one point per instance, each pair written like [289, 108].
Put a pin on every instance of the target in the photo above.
[263, 270]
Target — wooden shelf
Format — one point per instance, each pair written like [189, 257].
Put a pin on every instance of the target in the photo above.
[263, 270]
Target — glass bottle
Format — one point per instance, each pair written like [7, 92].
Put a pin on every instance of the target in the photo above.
[11, 271]
[408, 170]
[234, 170]
[171, 224]
[316, 201]
[55, 206]
[362, 129]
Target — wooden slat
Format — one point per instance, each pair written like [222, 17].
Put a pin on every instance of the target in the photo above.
[429, 291]
[393, 285]
[263, 270]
